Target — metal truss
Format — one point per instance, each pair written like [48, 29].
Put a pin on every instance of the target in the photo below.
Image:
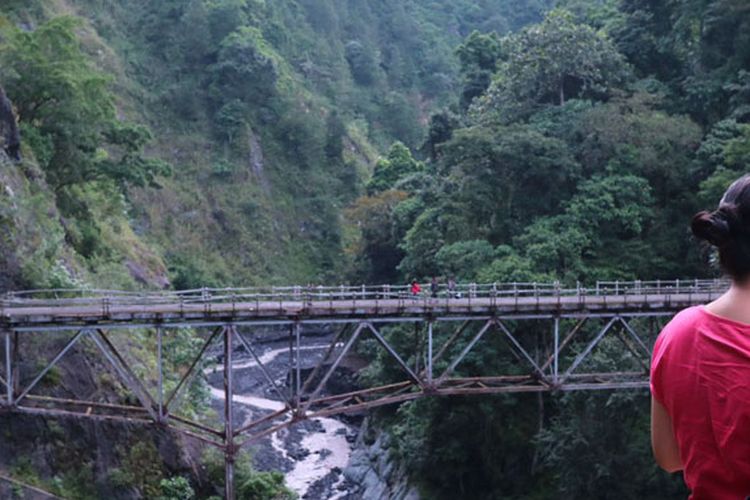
[545, 358]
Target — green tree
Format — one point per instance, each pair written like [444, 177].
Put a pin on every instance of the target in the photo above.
[464, 258]
[245, 69]
[361, 62]
[550, 63]
[489, 170]
[478, 55]
[398, 164]
[378, 252]
[67, 108]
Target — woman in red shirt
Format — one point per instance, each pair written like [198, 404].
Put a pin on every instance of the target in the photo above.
[700, 370]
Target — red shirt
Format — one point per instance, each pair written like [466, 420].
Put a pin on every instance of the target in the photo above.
[700, 372]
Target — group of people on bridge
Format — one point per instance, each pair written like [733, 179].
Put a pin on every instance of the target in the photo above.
[450, 287]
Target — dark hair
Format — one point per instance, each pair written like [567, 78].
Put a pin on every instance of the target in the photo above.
[728, 229]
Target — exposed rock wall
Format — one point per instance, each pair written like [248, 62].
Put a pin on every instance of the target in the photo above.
[375, 473]
[10, 138]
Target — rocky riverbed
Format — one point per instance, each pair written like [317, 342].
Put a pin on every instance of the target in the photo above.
[312, 454]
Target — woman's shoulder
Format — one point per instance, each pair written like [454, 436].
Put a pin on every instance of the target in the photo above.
[687, 318]
[683, 323]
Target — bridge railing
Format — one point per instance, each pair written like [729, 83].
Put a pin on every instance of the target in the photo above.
[321, 293]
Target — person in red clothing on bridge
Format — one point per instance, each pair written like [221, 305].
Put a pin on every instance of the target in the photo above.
[700, 369]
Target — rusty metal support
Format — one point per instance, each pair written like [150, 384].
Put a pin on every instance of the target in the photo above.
[51, 364]
[268, 418]
[465, 351]
[229, 449]
[16, 363]
[298, 370]
[636, 337]
[160, 369]
[333, 367]
[289, 377]
[126, 367]
[262, 367]
[518, 345]
[8, 371]
[192, 367]
[429, 353]
[329, 351]
[451, 340]
[556, 353]
[126, 375]
[579, 359]
[394, 354]
[638, 357]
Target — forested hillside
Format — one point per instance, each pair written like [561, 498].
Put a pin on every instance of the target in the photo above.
[235, 132]
[189, 143]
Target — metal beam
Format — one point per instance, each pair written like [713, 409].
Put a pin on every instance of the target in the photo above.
[123, 371]
[429, 353]
[192, 367]
[518, 345]
[386, 318]
[554, 358]
[51, 364]
[229, 450]
[452, 339]
[466, 351]
[333, 367]
[8, 372]
[262, 367]
[136, 381]
[394, 354]
[323, 361]
[298, 371]
[579, 359]
[160, 369]
[635, 336]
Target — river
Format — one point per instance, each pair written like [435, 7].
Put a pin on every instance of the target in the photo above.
[313, 455]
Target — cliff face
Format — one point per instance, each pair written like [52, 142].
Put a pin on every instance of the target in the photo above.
[10, 139]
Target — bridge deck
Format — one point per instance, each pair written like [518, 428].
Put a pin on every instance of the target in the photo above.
[167, 310]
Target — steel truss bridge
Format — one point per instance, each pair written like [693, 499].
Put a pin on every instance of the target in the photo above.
[550, 330]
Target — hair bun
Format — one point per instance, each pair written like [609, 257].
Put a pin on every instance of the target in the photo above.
[714, 227]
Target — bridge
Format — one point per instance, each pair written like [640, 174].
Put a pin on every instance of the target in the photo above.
[549, 331]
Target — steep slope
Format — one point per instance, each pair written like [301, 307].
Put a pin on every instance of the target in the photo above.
[271, 114]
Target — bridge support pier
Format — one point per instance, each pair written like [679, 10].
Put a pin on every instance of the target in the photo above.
[229, 448]
[556, 353]
[8, 372]
[429, 354]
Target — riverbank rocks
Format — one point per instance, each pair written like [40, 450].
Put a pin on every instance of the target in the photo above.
[375, 473]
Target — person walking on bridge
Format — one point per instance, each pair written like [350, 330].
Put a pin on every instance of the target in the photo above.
[415, 288]
[700, 369]
[434, 287]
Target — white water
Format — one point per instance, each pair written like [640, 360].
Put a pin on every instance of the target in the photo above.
[316, 464]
